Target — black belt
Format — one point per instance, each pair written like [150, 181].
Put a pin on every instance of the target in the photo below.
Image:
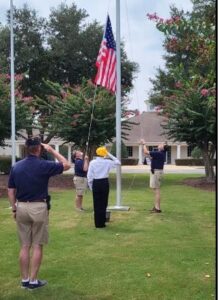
[36, 200]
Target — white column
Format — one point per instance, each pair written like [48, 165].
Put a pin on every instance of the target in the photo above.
[140, 156]
[69, 153]
[178, 152]
[57, 149]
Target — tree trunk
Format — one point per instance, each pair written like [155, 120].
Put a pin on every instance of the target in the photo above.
[208, 163]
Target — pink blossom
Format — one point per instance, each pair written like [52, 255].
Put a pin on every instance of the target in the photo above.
[204, 92]
[76, 116]
[18, 77]
[152, 16]
[63, 94]
[52, 98]
[172, 97]
[17, 92]
[178, 84]
[157, 19]
[27, 99]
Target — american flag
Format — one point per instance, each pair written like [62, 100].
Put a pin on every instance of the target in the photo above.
[106, 60]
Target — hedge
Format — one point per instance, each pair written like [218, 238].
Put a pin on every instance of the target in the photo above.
[129, 161]
[5, 164]
[191, 162]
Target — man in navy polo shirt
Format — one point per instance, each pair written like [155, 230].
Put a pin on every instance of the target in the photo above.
[80, 177]
[157, 165]
[27, 192]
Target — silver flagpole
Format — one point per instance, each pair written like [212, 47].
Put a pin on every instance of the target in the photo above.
[13, 155]
[118, 113]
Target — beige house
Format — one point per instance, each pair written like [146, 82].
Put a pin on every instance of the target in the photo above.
[20, 148]
[149, 128]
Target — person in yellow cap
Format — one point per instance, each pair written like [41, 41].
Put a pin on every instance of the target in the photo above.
[97, 175]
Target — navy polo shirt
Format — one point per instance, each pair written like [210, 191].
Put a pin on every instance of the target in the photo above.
[79, 164]
[30, 177]
[158, 159]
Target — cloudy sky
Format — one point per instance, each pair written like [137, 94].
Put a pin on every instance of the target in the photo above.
[143, 42]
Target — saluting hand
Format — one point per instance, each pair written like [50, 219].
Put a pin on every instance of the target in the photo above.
[47, 147]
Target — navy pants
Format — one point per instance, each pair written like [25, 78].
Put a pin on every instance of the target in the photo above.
[100, 200]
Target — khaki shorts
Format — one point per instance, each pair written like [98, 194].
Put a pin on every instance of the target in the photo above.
[155, 179]
[32, 223]
[80, 185]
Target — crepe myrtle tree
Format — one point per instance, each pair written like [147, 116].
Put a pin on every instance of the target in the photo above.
[83, 115]
[185, 92]
[22, 108]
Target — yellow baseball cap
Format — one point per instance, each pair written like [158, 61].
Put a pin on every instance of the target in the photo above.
[101, 151]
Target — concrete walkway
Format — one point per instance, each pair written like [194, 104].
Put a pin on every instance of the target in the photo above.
[167, 169]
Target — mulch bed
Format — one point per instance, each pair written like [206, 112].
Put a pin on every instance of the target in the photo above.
[200, 183]
[65, 182]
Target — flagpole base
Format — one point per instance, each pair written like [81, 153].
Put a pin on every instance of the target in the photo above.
[118, 208]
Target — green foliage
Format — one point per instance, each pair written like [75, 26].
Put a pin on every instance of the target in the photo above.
[185, 91]
[5, 124]
[80, 114]
[124, 151]
[196, 153]
[22, 109]
[60, 50]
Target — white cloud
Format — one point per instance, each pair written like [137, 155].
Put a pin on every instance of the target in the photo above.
[142, 40]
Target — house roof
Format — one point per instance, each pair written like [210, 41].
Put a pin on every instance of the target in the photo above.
[149, 128]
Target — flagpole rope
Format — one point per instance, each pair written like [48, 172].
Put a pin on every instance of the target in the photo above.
[131, 51]
[91, 119]
[136, 95]
[106, 67]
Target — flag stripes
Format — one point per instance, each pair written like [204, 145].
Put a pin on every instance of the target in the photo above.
[106, 60]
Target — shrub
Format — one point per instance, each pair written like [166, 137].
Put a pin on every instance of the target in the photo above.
[5, 164]
[124, 151]
[196, 153]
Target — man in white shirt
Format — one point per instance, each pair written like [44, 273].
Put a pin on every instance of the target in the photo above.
[97, 175]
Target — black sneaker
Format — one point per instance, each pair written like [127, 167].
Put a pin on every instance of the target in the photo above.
[24, 285]
[37, 285]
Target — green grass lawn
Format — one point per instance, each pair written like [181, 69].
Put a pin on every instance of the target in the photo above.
[138, 256]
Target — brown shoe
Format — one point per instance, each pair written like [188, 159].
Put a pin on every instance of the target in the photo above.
[155, 210]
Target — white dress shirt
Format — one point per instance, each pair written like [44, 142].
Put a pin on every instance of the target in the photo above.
[99, 168]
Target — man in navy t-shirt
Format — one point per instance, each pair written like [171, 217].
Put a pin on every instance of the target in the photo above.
[157, 164]
[27, 192]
